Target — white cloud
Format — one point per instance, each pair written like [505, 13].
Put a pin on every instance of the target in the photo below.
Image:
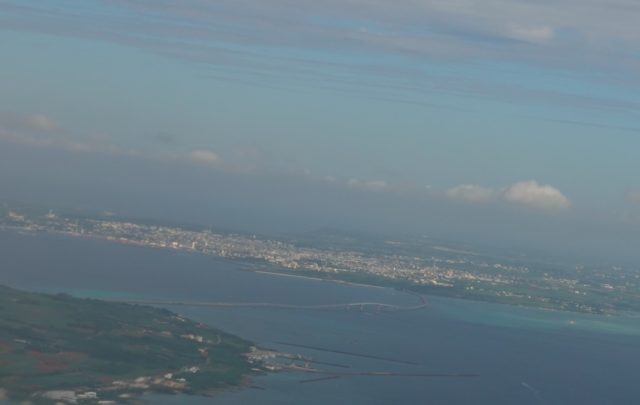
[27, 122]
[539, 34]
[372, 185]
[66, 143]
[584, 34]
[203, 156]
[633, 197]
[35, 131]
[41, 122]
[526, 193]
[471, 193]
[531, 194]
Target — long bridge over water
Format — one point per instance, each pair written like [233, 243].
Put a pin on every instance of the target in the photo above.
[358, 306]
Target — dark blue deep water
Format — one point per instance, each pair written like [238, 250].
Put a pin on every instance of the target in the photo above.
[522, 356]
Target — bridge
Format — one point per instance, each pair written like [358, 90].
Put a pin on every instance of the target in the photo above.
[358, 306]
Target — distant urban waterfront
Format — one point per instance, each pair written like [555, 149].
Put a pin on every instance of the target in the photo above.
[416, 264]
[523, 356]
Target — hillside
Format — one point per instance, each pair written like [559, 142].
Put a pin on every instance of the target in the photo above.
[56, 348]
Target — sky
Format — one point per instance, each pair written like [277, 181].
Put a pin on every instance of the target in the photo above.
[509, 121]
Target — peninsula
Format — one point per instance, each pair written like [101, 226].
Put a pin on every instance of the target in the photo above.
[61, 349]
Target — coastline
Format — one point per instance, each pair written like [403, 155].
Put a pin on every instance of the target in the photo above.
[283, 274]
[247, 266]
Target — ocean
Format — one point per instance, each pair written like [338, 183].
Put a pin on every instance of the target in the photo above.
[520, 355]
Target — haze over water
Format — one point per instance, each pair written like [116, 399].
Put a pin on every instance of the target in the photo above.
[522, 356]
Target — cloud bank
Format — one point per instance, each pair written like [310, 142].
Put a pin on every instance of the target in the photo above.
[471, 193]
[41, 122]
[203, 156]
[42, 131]
[634, 197]
[32, 123]
[525, 193]
[532, 194]
[364, 45]
[370, 185]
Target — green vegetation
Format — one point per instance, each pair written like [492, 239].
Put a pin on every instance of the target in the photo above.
[60, 349]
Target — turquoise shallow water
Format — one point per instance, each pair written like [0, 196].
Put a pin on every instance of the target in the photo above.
[530, 318]
[522, 356]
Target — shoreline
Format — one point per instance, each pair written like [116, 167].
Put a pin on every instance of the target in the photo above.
[253, 267]
[283, 274]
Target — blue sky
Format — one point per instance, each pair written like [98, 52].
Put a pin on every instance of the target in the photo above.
[518, 108]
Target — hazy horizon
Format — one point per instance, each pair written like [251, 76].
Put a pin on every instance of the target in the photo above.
[418, 118]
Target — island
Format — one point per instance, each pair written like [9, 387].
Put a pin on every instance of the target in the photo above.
[60, 349]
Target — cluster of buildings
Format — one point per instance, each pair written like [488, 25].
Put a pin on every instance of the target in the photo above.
[443, 270]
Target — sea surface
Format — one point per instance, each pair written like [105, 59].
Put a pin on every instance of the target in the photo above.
[520, 355]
